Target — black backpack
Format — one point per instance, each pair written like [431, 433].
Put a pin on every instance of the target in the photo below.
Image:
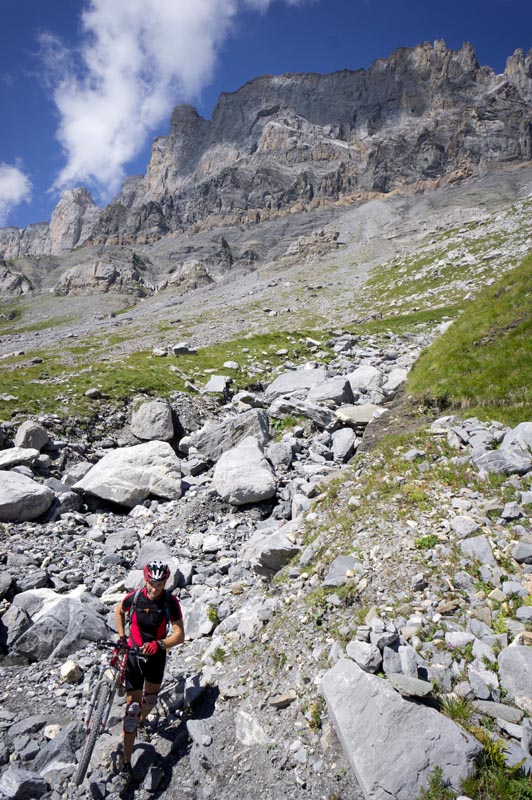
[133, 607]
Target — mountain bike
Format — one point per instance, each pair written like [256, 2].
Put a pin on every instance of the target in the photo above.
[110, 679]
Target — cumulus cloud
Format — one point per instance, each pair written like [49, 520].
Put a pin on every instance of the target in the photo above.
[137, 59]
[15, 188]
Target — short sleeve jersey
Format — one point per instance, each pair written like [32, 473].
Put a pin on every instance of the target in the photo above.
[148, 621]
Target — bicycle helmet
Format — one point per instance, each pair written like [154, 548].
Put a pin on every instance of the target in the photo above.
[156, 571]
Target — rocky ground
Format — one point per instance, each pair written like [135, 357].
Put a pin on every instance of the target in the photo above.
[299, 569]
[430, 579]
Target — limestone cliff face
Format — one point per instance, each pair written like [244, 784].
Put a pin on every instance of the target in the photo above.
[290, 142]
[72, 223]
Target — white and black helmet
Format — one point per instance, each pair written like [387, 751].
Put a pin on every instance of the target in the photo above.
[156, 571]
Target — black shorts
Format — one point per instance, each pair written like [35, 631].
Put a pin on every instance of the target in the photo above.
[152, 670]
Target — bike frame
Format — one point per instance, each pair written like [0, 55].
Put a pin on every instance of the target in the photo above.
[110, 679]
[111, 671]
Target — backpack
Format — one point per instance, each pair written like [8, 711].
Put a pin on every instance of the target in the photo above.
[133, 607]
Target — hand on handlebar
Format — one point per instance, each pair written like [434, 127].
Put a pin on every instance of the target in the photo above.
[122, 642]
[150, 648]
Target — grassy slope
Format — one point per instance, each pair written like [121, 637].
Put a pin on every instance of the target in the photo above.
[483, 362]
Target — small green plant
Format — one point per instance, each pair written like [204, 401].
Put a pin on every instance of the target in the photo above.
[212, 616]
[459, 709]
[437, 788]
[314, 714]
[219, 655]
[426, 542]
[494, 780]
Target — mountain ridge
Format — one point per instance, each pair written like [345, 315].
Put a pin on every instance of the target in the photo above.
[291, 142]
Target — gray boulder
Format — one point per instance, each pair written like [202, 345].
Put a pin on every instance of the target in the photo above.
[59, 753]
[129, 475]
[31, 434]
[358, 416]
[342, 569]
[61, 624]
[521, 437]
[13, 624]
[365, 378]
[152, 420]
[269, 551]
[479, 549]
[243, 475]
[320, 416]
[510, 461]
[280, 454]
[20, 784]
[367, 656]
[295, 381]
[344, 441]
[22, 498]
[515, 672]
[393, 745]
[334, 391]
[216, 438]
[394, 379]
[14, 456]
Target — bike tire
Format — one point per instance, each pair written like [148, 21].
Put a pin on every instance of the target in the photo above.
[92, 736]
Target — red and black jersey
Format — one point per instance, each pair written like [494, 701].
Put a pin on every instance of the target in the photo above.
[149, 618]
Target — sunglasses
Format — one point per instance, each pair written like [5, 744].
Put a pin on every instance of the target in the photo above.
[156, 583]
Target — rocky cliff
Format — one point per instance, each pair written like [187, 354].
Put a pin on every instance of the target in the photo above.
[292, 142]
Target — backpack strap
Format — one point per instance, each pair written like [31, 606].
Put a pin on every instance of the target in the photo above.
[133, 606]
[167, 609]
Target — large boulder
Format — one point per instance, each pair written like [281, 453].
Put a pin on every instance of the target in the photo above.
[393, 744]
[22, 498]
[31, 434]
[514, 455]
[321, 416]
[365, 378]
[14, 456]
[61, 623]
[521, 437]
[129, 475]
[334, 391]
[152, 420]
[269, 551]
[19, 784]
[243, 475]
[515, 673]
[216, 438]
[295, 381]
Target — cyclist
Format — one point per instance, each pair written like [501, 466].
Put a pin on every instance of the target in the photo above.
[156, 625]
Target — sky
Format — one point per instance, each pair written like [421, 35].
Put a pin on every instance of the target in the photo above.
[85, 85]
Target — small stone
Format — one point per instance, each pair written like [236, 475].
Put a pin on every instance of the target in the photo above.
[283, 700]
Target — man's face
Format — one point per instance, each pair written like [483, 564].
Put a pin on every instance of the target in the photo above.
[154, 589]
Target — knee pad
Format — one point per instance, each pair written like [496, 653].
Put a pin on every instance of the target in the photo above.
[132, 717]
[149, 701]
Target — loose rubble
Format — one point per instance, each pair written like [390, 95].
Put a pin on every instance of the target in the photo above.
[261, 683]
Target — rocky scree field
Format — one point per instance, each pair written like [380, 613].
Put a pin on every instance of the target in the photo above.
[352, 549]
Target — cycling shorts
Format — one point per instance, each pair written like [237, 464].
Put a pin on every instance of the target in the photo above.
[137, 671]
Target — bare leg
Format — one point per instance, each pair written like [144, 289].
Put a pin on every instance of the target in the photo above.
[131, 721]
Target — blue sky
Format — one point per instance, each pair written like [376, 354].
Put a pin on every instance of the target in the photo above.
[85, 85]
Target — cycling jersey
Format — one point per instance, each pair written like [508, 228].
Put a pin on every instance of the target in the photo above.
[149, 618]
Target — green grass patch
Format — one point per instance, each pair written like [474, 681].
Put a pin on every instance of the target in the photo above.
[38, 387]
[406, 322]
[483, 363]
[426, 542]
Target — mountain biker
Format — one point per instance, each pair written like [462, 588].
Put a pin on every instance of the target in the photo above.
[156, 625]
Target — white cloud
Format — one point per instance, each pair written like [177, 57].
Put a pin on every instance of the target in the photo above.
[15, 188]
[137, 60]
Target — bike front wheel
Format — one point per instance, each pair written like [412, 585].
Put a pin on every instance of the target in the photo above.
[95, 730]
